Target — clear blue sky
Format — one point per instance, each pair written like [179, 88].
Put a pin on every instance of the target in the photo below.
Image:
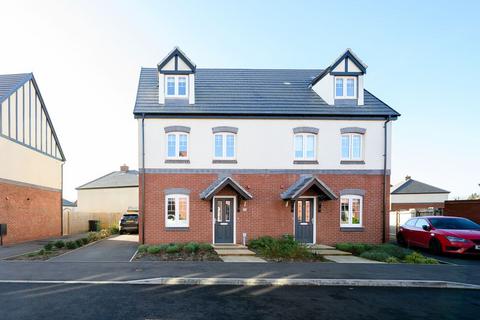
[422, 56]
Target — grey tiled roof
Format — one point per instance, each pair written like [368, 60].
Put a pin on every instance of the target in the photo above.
[9, 83]
[415, 187]
[252, 92]
[304, 183]
[221, 183]
[67, 203]
[116, 179]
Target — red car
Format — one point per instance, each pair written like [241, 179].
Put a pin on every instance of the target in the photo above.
[441, 235]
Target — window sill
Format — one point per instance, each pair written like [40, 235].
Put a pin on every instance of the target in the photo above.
[224, 161]
[352, 229]
[352, 162]
[176, 161]
[176, 228]
[305, 162]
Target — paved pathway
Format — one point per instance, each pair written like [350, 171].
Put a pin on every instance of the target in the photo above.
[26, 247]
[119, 248]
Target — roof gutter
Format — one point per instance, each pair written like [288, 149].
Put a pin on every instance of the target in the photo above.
[143, 179]
[385, 155]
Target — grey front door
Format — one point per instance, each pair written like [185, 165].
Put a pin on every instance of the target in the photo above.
[224, 220]
[304, 211]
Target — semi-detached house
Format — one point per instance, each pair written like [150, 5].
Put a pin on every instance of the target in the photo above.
[233, 154]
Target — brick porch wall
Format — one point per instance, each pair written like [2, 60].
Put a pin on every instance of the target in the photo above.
[30, 213]
[266, 213]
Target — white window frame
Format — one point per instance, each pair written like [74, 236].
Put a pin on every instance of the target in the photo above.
[177, 223]
[344, 88]
[177, 145]
[304, 147]
[224, 146]
[350, 146]
[351, 197]
[176, 86]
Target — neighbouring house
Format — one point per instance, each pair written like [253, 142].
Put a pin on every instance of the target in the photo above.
[469, 209]
[31, 165]
[234, 154]
[69, 209]
[412, 198]
[107, 198]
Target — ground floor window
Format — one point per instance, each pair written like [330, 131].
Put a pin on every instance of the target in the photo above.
[351, 211]
[176, 206]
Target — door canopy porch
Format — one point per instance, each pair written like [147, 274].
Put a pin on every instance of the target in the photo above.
[306, 183]
[220, 184]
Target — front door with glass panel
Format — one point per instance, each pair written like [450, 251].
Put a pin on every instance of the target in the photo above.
[224, 219]
[304, 211]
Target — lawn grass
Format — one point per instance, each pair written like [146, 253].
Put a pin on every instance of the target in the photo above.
[285, 248]
[386, 252]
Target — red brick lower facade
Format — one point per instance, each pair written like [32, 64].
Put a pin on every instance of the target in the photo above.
[469, 209]
[266, 213]
[30, 213]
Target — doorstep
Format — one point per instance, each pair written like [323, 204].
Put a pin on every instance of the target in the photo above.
[349, 259]
[236, 253]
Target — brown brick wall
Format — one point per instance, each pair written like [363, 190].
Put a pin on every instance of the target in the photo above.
[469, 209]
[30, 213]
[266, 213]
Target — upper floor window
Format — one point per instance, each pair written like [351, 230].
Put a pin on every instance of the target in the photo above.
[176, 86]
[176, 210]
[177, 145]
[224, 145]
[352, 146]
[305, 146]
[351, 207]
[345, 87]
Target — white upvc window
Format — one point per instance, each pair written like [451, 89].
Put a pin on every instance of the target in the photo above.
[352, 146]
[305, 145]
[176, 86]
[351, 208]
[224, 146]
[176, 210]
[346, 87]
[177, 145]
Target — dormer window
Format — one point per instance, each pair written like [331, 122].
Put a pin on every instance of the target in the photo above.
[176, 86]
[345, 88]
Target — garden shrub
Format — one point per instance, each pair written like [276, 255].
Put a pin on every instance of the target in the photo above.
[41, 252]
[59, 244]
[48, 246]
[205, 247]
[284, 247]
[113, 229]
[416, 257]
[191, 247]
[71, 245]
[393, 250]
[355, 248]
[79, 242]
[154, 249]
[375, 255]
[261, 243]
[142, 248]
[92, 236]
[392, 260]
[85, 241]
[173, 248]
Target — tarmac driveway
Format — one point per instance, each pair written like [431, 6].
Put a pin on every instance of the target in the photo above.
[119, 248]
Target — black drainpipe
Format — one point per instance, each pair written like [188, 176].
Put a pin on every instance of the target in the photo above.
[143, 178]
[385, 189]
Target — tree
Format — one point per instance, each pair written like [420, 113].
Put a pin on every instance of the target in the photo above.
[474, 196]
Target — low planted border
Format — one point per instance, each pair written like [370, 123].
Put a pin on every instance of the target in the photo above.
[283, 249]
[191, 251]
[59, 247]
[387, 252]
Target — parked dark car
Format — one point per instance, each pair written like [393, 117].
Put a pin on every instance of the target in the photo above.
[441, 234]
[128, 223]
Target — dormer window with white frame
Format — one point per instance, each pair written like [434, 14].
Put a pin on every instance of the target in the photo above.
[345, 87]
[176, 86]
